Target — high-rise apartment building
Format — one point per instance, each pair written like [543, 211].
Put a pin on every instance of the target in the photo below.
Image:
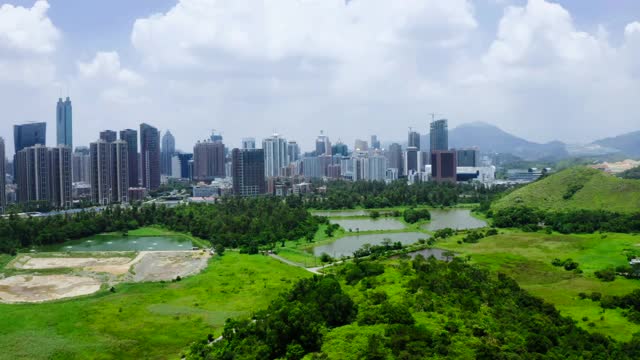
[28, 135]
[108, 136]
[468, 157]
[131, 137]
[44, 175]
[275, 155]
[3, 176]
[248, 168]
[377, 168]
[208, 161]
[443, 166]
[64, 123]
[119, 158]
[168, 149]
[109, 172]
[394, 155]
[413, 140]
[81, 160]
[61, 176]
[439, 135]
[150, 156]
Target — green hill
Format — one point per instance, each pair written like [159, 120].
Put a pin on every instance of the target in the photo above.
[577, 188]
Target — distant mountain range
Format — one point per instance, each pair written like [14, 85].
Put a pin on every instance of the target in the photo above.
[490, 138]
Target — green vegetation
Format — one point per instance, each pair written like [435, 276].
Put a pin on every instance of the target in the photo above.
[233, 223]
[378, 194]
[410, 310]
[631, 174]
[577, 188]
[528, 258]
[412, 216]
[148, 320]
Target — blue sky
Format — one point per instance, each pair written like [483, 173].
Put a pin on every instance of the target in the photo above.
[540, 69]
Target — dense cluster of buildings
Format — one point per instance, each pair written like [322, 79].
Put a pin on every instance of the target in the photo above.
[121, 167]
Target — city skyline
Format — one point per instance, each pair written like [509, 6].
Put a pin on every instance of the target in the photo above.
[458, 59]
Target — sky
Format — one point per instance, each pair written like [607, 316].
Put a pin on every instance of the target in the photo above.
[544, 70]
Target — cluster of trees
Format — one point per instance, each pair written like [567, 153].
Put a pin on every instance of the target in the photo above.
[474, 236]
[567, 264]
[245, 222]
[18, 232]
[378, 194]
[412, 215]
[377, 250]
[290, 328]
[567, 222]
[494, 319]
[233, 223]
[629, 302]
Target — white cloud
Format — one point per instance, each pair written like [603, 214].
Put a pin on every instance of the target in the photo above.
[106, 66]
[28, 30]
[28, 38]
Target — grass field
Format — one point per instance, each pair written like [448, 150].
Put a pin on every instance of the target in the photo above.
[148, 320]
[527, 258]
[150, 231]
[595, 190]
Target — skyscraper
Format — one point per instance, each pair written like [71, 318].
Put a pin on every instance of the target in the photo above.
[248, 167]
[248, 143]
[293, 151]
[168, 149]
[375, 143]
[3, 176]
[439, 135]
[64, 123]
[468, 157]
[376, 168]
[275, 155]
[323, 145]
[412, 161]
[181, 166]
[208, 161]
[108, 136]
[414, 140]
[395, 157]
[28, 135]
[150, 156]
[131, 137]
[340, 149]
[443, 166]
[361, 145]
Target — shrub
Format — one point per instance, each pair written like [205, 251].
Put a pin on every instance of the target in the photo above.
[606, 274]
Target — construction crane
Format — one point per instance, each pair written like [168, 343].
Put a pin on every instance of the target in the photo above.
[433, 116]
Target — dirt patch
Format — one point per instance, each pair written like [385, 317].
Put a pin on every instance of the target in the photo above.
[36, 288]
[167, 265]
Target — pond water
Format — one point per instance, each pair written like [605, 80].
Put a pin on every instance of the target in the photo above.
[457, 219]
[369, 224]
[343, 213]
[347, 245]
[124, 243]
[437, 253]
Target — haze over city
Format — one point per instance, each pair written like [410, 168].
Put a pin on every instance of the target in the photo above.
[541, 70]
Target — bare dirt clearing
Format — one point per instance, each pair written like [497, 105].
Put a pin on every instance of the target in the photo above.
[167, 265]
[88, 272]
[39, 288]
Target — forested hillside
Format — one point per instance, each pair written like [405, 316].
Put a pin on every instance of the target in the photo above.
[409, 309]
